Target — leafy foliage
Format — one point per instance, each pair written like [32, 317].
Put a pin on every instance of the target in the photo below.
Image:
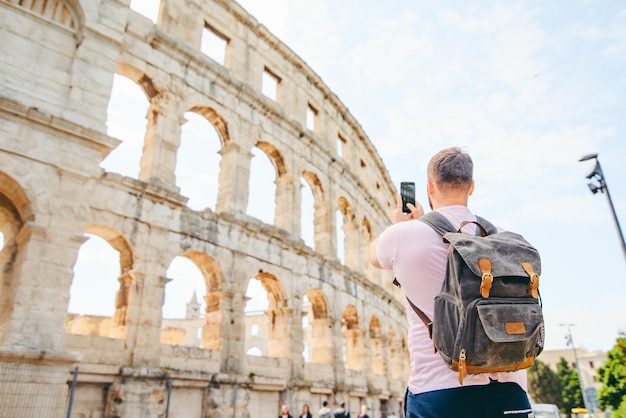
[570, 387]
[544, 385]
[613, 378]
[621, 412]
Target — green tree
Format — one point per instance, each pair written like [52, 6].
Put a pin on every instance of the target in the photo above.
[570, 387]
[621, 412]
[544, 385]
[612, 377]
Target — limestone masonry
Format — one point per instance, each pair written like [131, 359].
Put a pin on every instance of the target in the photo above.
[58, 59]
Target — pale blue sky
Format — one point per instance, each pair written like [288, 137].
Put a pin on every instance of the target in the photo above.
[527, 87]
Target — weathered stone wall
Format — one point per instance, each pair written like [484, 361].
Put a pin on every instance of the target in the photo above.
[57, 63]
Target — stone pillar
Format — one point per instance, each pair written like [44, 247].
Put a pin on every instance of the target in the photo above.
[144, 319]
[122, 300]
[232, 341]
[215, 319]
[232, 195]
[352, 246]
[162, 140]
[322, 341]
[288, 208]
[355, 350]
[42, 289]
[278, 333]
[324, 223]
[378, 356]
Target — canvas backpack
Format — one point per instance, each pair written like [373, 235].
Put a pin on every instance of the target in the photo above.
[488, 316]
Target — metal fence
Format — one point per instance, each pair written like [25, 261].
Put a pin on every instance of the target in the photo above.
[33, 391]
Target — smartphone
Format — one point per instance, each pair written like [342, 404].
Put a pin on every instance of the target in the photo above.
[407, 191]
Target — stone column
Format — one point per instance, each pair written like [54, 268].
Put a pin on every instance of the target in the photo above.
[322, 341]
[355, 350]
[232, 339]
[352, 246]
[144, 319]
[278, 333]
[288, 208]
[42, 289]
[162, 140]
[378, 355]
[324, 223]
[232, 195]
[216, 319]
[122, 300]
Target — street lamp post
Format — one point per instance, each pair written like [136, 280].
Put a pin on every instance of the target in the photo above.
[570, 341]
[597, 175]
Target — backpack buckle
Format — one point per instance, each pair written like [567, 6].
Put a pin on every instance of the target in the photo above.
[487, 278]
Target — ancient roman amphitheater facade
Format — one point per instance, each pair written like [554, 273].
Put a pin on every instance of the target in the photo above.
[58, 60]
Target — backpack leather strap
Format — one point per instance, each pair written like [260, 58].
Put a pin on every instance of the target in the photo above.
[425, 319]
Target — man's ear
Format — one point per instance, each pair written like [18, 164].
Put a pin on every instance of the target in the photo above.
[430, 187]
[471, 189]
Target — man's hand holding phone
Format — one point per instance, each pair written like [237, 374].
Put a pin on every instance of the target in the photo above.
[406, 207]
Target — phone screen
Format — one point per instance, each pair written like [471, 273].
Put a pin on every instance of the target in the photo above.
[407, 191]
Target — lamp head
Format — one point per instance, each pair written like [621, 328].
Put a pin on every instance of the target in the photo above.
[597, 171]
[594, 188]
[589, 157]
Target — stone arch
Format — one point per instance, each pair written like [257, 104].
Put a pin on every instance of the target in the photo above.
[277, 316]
[15, 211]
[353, 338]
[140, 78]
[14, 192]
[316, 185]
[377, 343]
[204, 134]
[320, 338]
[116, 326]
[61, 12]
[275, 157]
[218, 122]
[215, 310]
[117, 241]
[320, 211]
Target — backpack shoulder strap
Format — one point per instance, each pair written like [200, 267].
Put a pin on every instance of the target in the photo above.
[438, 222]
[489, 227]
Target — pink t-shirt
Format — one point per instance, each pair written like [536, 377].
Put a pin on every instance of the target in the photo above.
[417, 255]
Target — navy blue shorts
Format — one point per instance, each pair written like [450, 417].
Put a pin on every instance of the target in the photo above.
[496, 399]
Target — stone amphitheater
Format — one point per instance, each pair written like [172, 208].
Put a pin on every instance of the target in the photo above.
[58, 61]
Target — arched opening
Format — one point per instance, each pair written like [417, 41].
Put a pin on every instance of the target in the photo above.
[314, 228]
[256, 319]
[353, 338]
[262, 187]
[366, 239]
[317, 328]
[101, 286]
[347, 234]
[192, 308]
[126, 121]
[183, 306]
[267, 316]
[14, 213]
[307, 214]
[377, 342]
[199, 149]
